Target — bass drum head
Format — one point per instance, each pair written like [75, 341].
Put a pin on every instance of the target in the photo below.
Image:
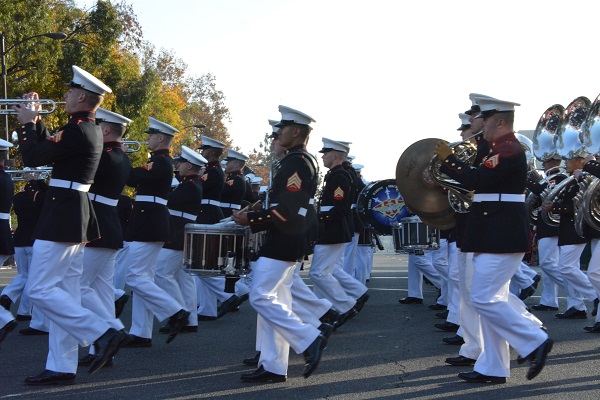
[380, 206]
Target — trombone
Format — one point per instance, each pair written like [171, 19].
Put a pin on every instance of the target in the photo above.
[133, 146]
[29, 103]
[19, 174]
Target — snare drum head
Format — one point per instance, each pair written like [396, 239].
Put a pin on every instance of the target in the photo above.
[380, 206]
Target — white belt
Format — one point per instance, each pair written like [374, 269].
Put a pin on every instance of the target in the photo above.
[151, 199]
[4, 215]
[104, 200]
[501, 197]
[209, 201]
[182, 214]
[274, 205]
[61, 183]
[353, 206]
[311, 201]
[232, 206]
[327, 208]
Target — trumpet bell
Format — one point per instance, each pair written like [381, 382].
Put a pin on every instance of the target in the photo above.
[569, 138]
[8, 103]
[545, 132]
[422, 195]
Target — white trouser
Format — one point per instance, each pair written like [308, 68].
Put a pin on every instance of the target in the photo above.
[551, 276]
[419, 265]
[120, 271]
[170, 276]
[522, 279]
[270, 296]
[351, 286]
[593, 272]
[577, 284]
[148, 298]
[325, 260]
[453, 285]
[39, 321]
[364, 253]
[350, 262]
[15, 288]
[470, 326]
[54, 288]
[210, 290]
[439, 260]
[305, 304]
[5, 317]
[501, 324]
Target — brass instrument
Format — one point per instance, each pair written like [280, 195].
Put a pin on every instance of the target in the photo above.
[19, 174]
[8, 103]
[133, 146]
[422, 185]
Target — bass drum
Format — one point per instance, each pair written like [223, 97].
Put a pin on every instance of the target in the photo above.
[380, 206]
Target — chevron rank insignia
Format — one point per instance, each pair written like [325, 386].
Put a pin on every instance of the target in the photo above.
[493, 161]
[57, 137]
[204, 177]
[338, 194]
[294, 183]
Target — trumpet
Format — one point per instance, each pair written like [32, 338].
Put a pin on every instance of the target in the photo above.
[19, 174]
[133, 146]
[8, 103]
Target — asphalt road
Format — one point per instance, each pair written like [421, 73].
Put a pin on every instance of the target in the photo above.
[389, 351]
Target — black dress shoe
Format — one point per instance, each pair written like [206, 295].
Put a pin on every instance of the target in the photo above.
[5, 302]
[330, 317]
[595, 310]
[7, 328]
[593, 329]
[543, 307]
[21, 317]
[447, 327]
[455, 340]
[436, 306]
[120, 305]
[176, 322]
[252, 362]
[326, 330]
[88, 359]
[312, 355]
[240, 300]
[345, 317]
[106, 347]
[227, 305]
[536, 281]
[186, 329]
[32, 332]
[50, 378]
[206, 318]
[572, 313]
[410, 300]
[136, 341]
[263, 376]
[476, 377]
[442, 315]
[527, 292]
[538, 358]
[460, 361]
[360, 302]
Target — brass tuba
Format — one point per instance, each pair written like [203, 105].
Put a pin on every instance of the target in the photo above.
[568, 142]
[587, 201]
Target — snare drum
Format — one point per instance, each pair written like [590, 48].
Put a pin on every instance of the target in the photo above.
[210, 250]
[253, 244]
[416, 235]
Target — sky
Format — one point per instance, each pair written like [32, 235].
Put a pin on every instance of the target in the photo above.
[381, 74]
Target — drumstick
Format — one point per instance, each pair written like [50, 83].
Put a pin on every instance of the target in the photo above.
[249, 206]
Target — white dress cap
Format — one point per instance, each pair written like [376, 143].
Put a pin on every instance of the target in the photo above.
[350, 157]
[5, 145]
[465, 121]
[474, 96]
[256, 180]
[157, 126]
[192, 157]
[492, 106]
[234, 155]
[84, 80]
[357, 167]
[274, 130]
[111, 117]
[210, 143]
[290, 116]
[329, 145]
